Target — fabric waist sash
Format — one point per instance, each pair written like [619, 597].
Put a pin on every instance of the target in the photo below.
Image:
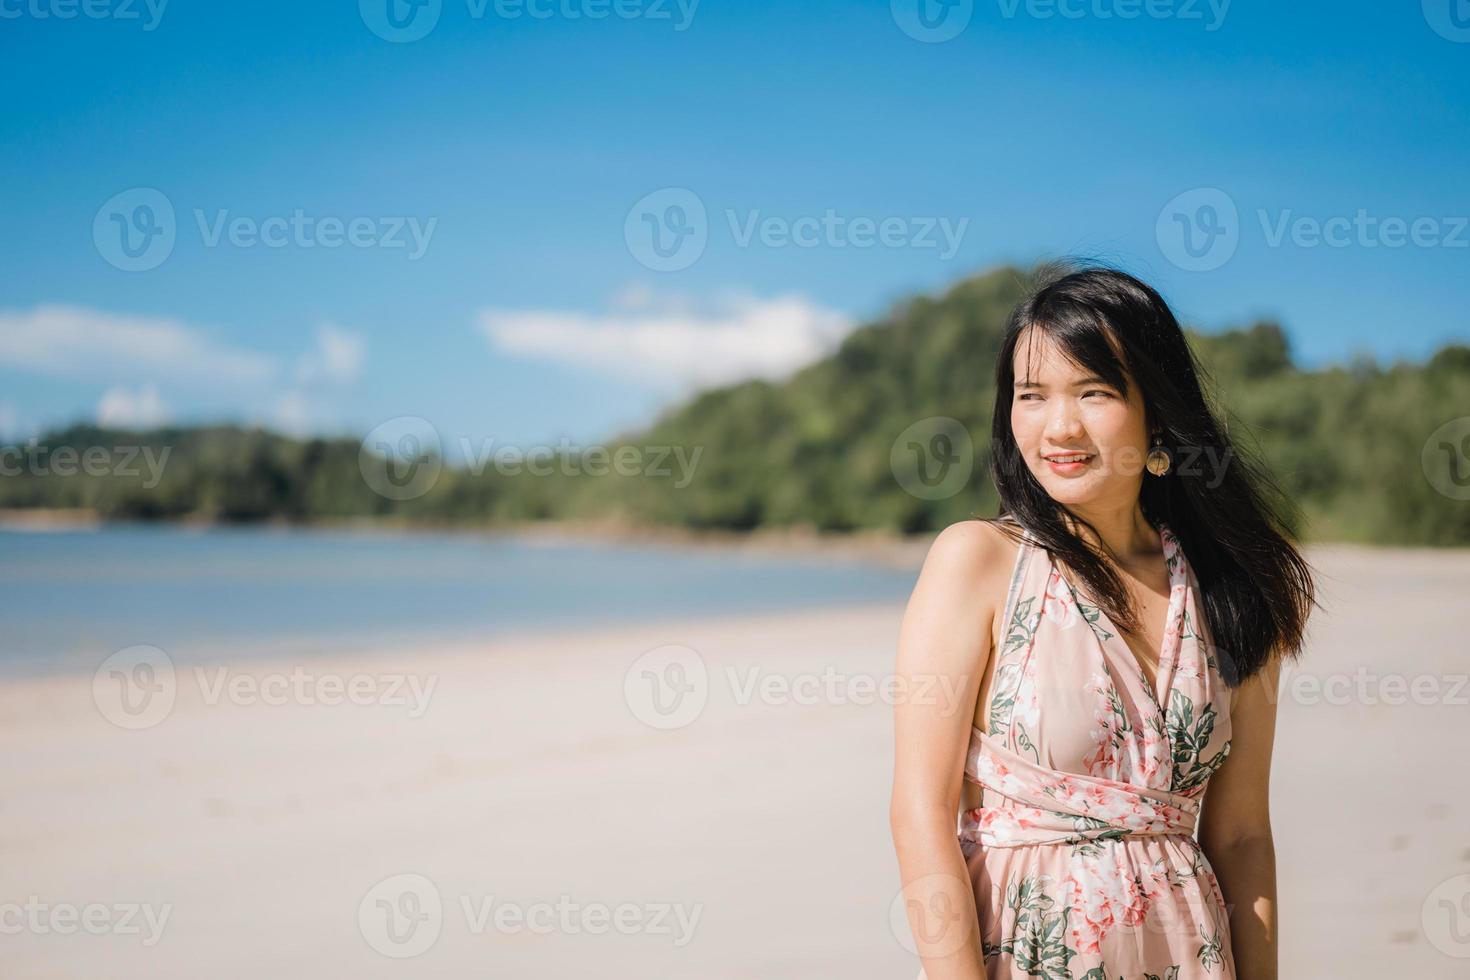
[1044, 806]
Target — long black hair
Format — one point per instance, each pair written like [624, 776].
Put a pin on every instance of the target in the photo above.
[1229, 516]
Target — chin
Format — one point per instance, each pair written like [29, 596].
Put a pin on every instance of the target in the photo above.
[1069, 491]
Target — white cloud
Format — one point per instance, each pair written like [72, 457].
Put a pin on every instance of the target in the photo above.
[334, 360]
[337, 356]
[675, 346]
[74, 341]
[125, 408]
[122, 350]
[292, 414]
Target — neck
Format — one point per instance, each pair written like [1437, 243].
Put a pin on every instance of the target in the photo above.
[1120, 531]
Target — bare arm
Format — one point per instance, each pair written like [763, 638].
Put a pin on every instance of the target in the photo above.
[944, 645]
[1235, 827]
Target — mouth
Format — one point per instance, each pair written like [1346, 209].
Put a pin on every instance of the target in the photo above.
[1069, 463]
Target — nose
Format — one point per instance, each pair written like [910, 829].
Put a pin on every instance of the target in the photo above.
[1065, 422]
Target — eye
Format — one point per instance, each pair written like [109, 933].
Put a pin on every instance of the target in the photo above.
[1097, 391]
[1027, 395]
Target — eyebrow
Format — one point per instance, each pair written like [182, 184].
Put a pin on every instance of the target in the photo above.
[1091, 379]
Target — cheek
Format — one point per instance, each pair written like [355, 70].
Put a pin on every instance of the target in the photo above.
[1026, 430]
[1113, 426]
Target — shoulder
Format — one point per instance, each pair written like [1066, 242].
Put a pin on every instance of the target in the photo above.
[958, 598]
[972, 543]
[973, 552]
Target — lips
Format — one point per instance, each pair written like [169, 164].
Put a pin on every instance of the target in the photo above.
[1069, 464]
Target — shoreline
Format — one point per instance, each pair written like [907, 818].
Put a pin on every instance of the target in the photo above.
[885, 548]
[454, 644]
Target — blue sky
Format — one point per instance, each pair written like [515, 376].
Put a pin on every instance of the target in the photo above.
[842, 155]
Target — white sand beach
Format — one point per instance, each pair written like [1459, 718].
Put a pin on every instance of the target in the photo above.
[561, 834]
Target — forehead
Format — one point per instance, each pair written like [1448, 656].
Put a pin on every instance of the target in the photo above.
[1040, 358]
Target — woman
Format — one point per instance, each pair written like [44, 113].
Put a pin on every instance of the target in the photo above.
[1117, 633]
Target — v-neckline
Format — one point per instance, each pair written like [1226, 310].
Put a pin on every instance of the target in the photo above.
[1158, 689]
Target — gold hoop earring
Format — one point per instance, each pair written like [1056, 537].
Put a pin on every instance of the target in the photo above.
[1159, 459]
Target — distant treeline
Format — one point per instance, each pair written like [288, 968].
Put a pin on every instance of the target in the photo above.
[1368, 453]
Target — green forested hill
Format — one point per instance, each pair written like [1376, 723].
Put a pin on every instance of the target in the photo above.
[1352, 445]
[1346, 443]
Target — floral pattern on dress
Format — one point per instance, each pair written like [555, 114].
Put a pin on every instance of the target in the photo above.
[1093, 781]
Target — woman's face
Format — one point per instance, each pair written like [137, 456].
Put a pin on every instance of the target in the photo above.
[1059, 411]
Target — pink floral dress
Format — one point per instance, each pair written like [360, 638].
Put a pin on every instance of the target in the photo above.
[1082, 855]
